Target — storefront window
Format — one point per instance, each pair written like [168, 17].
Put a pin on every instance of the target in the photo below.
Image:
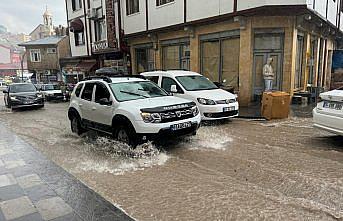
[176, 57]
[220, 60]
[145, 59]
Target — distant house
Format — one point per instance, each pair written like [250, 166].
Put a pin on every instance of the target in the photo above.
[43, 57]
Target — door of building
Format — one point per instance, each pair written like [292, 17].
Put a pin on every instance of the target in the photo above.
[267, 45]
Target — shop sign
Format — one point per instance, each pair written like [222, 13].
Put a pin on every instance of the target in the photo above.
[99, 46]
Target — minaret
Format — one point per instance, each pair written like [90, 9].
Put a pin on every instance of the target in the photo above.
[47, 22]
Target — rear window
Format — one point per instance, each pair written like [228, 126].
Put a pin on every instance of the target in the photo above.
[88, 92]
[153, 79]
[78, 90]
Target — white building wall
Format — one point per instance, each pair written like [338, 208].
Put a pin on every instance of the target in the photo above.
[81, 50]
[165, 15]
[320, 7]
[248, 4]
[135, 22]
[332, 11]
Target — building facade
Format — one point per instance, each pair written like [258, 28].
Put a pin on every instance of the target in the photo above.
[43, 57]
[230, 41]
[94, 36]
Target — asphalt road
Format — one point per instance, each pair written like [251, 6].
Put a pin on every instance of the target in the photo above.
[233, 170]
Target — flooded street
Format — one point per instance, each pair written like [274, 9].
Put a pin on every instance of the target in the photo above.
[233, 170]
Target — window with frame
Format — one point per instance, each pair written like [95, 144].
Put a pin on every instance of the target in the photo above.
[100, 29]
[145, 59]
[35, 55]
[132, 7]
[76, 4]
[79, 38]
[51, 50]
[88, 92]
[163, 2]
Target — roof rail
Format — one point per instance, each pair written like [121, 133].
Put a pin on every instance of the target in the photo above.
[130, 76]
[104, 78]
[177, 69]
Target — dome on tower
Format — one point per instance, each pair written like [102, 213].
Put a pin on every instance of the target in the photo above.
[47, 13]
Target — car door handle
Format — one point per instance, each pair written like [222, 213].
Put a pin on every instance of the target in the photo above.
[93, 108]
[80, 105]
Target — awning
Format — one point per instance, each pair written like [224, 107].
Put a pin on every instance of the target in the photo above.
[76, 25]
[85, 65]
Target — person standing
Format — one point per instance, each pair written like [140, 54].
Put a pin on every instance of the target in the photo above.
[268, 75]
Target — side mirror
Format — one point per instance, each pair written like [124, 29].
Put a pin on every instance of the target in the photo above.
[173, 88]
[105, 101]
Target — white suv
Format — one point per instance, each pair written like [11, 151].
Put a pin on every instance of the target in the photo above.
[132, 109]
[213, 102]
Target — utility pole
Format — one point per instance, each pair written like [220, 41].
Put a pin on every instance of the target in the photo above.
[22, 66]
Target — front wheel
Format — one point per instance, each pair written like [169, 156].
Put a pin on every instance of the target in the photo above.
[125, 134]
[76, 127]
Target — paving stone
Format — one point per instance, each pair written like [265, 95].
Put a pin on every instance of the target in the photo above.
[11, 192]
[29, 181]
[40, 192]
[31, 217]
[53, 208]
[22, 171]
[7, 180]
[5, 152]
[10, 164]
[13, 209]
[2, 163]
[69, 217]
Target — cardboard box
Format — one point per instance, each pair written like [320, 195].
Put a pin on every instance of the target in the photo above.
[275, 105]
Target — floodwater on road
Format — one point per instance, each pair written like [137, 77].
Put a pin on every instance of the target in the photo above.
[232, 170]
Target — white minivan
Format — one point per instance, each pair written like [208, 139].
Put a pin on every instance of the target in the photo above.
[213, 102]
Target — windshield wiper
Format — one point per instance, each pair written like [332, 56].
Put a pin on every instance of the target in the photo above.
[136, 94]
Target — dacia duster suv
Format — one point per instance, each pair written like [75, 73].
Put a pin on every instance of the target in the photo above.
[132, 109]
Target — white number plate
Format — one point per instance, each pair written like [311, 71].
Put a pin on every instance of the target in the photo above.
[227, 109]
[332, 105]
[181, 126]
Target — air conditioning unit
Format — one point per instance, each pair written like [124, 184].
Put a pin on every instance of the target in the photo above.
[91, 13]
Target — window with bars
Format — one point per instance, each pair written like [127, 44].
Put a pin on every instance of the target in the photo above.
[76, 4]
[79, 38]
[163, 2]
[132, 7]
[35, 55]
[145, 59]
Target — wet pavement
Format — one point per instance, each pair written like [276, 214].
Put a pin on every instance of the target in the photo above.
[232, 170]
[33, 188]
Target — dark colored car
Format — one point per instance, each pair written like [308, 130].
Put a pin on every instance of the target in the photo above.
[20, 95]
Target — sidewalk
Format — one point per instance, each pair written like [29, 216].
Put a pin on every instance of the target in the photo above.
[32, 188]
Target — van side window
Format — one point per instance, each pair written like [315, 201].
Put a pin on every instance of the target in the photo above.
[168, 82]
[78, 90]
[153, 79]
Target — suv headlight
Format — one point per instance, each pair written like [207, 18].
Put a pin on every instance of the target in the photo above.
[14, 98]
[151, 117]
[205, 101]
[195, 111]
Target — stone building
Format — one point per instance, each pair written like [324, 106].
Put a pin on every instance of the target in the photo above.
[231, 40]
[43, 57]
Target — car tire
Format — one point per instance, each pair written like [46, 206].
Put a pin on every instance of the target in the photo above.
[126, 134]
[75, 125]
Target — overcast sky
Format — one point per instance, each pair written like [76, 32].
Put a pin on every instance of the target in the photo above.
[22, 16]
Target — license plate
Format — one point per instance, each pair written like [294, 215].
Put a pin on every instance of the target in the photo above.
[332, 105]
[28, 102]
[227, 109]
[181, 126]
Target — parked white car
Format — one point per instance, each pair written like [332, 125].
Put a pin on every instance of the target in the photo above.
[51, 92]
[132, 109]
[213, 102]
[328, 115]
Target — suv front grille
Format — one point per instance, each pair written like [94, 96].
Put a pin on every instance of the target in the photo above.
[176, 115]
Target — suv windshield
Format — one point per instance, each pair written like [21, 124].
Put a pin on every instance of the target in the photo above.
[20, 88]
[196, 83]
[50, 87]
[128, 91]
